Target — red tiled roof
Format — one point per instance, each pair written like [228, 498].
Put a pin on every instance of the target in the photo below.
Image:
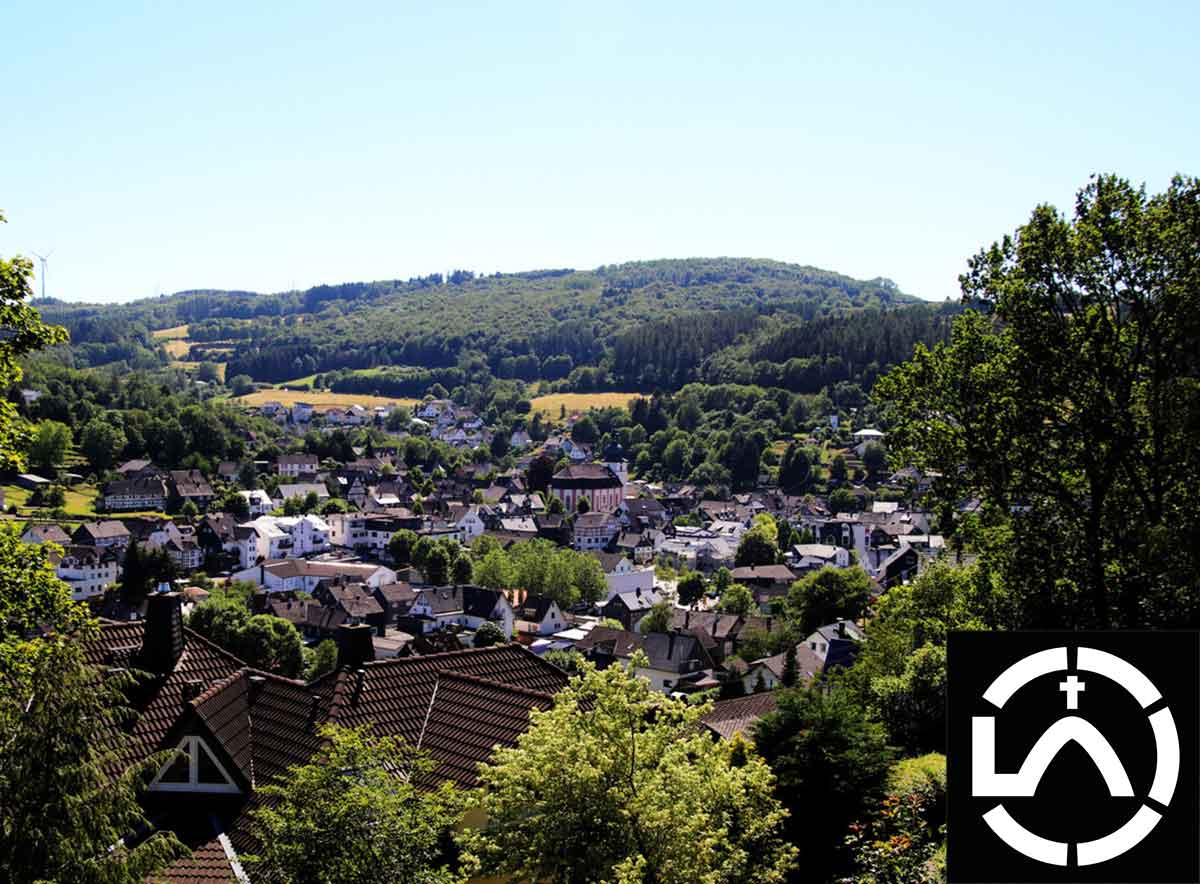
[159, 703]
[208, 864]
[468, 717]
[395, 695]
[739, 715]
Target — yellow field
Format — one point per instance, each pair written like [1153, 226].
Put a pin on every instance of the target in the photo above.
[177, 348]
[553, 404]
[178, 331]
[322, 399]
[192, 366]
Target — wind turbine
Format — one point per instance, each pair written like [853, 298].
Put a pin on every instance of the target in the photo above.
[44, 258]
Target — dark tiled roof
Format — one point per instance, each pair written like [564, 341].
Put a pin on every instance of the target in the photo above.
[357, 600]
[394, 695]
[149, 486]
[190, 483]
[208, 864]
[592, 475]
[468, 717]
[618, 642]
[108, 529]
[739, 715]
[675, 652]
[711, 623]
[159, 703]
[225, 710]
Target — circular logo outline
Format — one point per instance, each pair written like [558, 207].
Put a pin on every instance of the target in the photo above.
[987, 783]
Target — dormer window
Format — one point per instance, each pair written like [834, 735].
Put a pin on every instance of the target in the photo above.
[196, 770]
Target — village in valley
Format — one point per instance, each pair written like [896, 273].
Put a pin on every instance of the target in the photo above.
[380, 559]
[512, 444]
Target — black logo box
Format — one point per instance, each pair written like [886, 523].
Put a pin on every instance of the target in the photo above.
[1072, 802]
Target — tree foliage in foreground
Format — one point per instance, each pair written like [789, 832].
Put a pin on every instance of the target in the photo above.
[616, 783]
[831, 763]
[62, 809]
[23, 332]
[904, 840]
[1069, 401]
[353, 815]
[900, 672]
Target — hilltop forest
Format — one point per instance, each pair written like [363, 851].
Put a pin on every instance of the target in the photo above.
[634, 327]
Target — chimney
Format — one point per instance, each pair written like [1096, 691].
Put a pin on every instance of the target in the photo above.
[355, 645]
[841, 629]
[192, 688]
[162, 636]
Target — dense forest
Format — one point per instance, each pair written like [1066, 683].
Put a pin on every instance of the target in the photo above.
[638, 327]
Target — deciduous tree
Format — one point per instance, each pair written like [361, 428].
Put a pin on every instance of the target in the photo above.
[827, 595]
[820, 742]
[616, 783]
[354, 815]
[1068, 401]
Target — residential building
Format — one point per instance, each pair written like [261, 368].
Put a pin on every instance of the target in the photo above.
[293, 466]
[88, 570]
[190, 485]
[238, 728]
[258, 502]
[142, 493]
[594, 530]
[467, 606]
[295, 575]
[630, 607]
[109, 533]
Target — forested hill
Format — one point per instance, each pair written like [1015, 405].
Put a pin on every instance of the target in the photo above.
[639, 325]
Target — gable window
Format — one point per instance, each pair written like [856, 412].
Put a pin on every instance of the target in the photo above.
[196, 770]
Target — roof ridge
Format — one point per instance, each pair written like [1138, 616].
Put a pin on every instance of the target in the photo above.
[191, 635]
[462, 652]
[216, 687]
[491, 682]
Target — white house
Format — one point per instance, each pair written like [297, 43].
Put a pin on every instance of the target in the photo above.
[282, 537]
[258, 501]
[303, 575]
[468, 523]
[292, 465]
[863, 438]
[88, 570]
[539, 615]
[806, 556]
[301, 489]
[466, 606]
[622, 575]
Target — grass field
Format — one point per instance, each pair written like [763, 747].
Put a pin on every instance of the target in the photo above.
[321, 399]
[178, 331]
[553, 404]
[308, 379]
[177, 348]
[81, 500]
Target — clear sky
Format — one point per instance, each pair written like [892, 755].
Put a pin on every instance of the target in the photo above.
[271, 146]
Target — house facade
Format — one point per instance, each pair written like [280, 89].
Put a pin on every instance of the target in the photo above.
[130, 495]
[593, 482]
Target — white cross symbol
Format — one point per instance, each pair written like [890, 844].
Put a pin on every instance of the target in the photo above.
[1071, 687]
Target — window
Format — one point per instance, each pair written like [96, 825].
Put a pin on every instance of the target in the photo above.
[196, 770]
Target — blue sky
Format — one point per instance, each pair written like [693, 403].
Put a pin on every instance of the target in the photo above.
[272, 146]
